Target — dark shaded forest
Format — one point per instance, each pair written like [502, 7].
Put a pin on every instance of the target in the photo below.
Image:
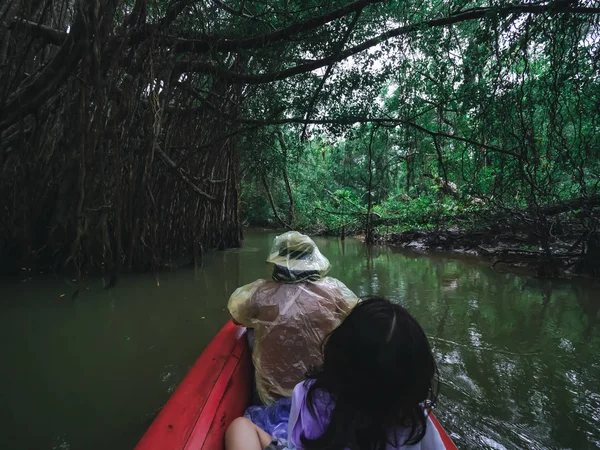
[135, 133]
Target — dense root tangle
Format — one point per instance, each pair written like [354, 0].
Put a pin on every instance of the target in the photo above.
[106, 160]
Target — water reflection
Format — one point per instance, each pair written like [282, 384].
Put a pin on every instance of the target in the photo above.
[519, 357]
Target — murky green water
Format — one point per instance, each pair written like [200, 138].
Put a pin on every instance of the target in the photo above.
[519, 357]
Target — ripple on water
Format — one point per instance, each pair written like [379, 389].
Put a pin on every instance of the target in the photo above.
[475, 337]
[60, 443]
[519, 358]
[566, 345]
[489, 442]
[589, 409]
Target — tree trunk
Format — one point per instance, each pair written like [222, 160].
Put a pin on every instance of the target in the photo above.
[272, 202]
[288, 187]
[107, 161]
[369, 235]
[590, 263]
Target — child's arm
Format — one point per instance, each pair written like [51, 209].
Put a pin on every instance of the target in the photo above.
[242, 434]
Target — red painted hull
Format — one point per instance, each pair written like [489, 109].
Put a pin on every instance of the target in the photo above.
[214, 392]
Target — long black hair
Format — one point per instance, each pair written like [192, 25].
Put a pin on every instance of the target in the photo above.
[378, 370]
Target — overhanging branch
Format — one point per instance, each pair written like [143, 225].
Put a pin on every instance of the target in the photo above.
[472, 14]
[383, 121]
[339, 47]
[241, 13]
[37, 30]
[216, 43]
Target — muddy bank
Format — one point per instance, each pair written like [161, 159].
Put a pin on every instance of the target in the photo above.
[505, 248]
[505, 251]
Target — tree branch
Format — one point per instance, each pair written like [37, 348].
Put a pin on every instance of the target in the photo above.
[37, 30]
[383, 121]
[339, 48]
[272, 202]
[473, 14]
[225, 45]
[36, 91]
[170, 163]
[232, 11]
[174, 8]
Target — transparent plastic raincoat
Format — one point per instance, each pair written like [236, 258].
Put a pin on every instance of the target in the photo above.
[290, 315]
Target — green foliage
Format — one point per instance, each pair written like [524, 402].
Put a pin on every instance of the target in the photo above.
[483, 116]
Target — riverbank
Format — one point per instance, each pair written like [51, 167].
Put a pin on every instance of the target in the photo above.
[505, 248]
[505, 251]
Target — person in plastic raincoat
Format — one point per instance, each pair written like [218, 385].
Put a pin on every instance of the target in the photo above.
[290, 315]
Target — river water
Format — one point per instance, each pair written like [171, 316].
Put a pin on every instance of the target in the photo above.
[519, 357]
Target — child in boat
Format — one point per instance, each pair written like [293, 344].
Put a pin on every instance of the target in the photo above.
[291, 314]
[378, 374]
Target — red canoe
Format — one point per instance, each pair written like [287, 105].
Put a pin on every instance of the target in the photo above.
[214, 392]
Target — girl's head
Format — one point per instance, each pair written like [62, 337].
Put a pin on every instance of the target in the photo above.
[379, 370]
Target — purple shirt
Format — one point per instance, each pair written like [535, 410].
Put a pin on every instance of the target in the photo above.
[304, 422]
